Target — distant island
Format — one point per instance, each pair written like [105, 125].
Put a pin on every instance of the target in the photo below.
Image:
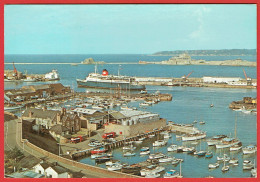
[92, 61]
[185, 59]
[222, 52]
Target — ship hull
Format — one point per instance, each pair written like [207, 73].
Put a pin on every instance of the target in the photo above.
[109, 85]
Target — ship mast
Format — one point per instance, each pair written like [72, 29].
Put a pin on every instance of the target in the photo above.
[119, 67]
[95, 68]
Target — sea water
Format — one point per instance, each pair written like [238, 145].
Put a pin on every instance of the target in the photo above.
[188, 104]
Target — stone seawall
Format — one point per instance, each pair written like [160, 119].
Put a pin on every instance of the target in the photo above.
[80, 165]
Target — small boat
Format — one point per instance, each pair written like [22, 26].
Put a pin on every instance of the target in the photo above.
[235, 147]
[131, 169]
[131, 147]
[209, 154]
[194, 136]
[164, 133]
[111, 162]
[166, 159]
[179, 136]
[248, 166]
[93, 156]
[176, 161]
[100, 150]
[156, 156]
[138, 141]
[225, 168]
[166, 136]
[201, 153]
[142, 139]
[227, 142]
[225, 158]
[172, 148]
[254, 173]
[159, 143]
[215, 140]
[115, 167]
[171, 174]
[102, 159]
[129, 154]
[202, 122]
[211, 105]
[251, 149]
[213, 166]
[151, 135]
[233, 161]
[194, 143]
[145, 151]
[180, 149]
[151, 169]
[144, 104]
[152, 175]
[195, 121]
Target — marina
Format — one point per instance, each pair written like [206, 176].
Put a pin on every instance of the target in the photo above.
[182, 143]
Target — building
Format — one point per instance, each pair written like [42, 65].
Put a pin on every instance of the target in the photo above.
[60, 133]
[59, 124]
[226, 80]
[51, 170]
[43, 118]
[36, 91]
[90, 118]
[130, 123]
[57, 172]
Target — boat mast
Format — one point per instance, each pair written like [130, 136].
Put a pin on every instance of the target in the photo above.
[95, 68]
[236, 127]
[180, 168]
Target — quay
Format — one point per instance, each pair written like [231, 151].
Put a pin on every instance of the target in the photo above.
[117, 144]
[206, 81]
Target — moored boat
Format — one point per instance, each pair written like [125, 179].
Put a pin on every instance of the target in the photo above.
[152, 169]
[215, 140]
[194, 136]
[227, 142]
[213, 166]
[171, 174]
[209, 154]
[106, 81]
[159, 143]
[129, 154]
[172, 148]
[115, 167]
[251, 149]
[166, 159]
[100, 150]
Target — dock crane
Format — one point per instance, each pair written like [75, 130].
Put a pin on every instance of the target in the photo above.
[185, 77]
[248, 79]
[15, 71]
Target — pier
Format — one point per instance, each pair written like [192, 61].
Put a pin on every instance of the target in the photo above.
[117, 144]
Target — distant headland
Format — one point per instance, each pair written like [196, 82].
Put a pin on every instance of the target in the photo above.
[221, 52]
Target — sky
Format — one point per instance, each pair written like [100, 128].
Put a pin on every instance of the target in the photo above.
[127, 29]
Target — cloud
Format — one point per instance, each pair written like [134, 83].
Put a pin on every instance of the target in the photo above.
[199, 13]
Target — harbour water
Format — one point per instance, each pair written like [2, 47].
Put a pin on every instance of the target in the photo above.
[188, 104]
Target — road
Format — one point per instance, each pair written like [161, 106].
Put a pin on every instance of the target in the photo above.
[12, 139]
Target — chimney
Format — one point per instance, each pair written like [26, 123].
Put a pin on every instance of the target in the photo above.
[58, 117]
[30, 114]
[63, 111]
